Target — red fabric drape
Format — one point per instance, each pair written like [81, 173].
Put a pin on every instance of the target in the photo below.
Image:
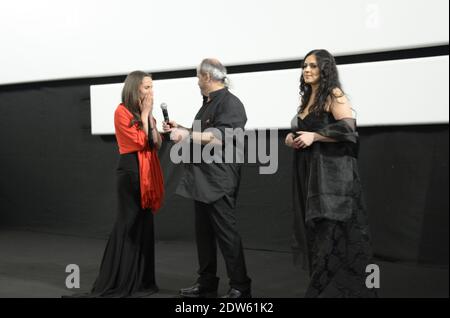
[134, 139]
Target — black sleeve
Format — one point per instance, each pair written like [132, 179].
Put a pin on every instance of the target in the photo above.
[230, 114]
[343, 130]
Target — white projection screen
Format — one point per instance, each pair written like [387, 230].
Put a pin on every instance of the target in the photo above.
[51, 39]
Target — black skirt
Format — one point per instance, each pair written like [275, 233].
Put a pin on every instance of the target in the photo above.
[128, 265]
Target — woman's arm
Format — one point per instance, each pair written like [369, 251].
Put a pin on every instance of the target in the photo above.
[289, 141]
[154, 131]
[148, 121]
[146, 112]
[340, 108]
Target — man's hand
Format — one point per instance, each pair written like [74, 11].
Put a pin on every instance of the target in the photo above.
[169, 126]
[178, 134]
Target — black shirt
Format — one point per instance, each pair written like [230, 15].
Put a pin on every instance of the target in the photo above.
[208, 182]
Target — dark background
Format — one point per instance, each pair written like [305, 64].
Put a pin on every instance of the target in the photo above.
[56, 177]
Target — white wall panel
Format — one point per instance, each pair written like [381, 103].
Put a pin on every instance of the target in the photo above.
[400, 92]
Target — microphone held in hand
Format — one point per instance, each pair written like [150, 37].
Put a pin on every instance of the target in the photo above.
[165, 113]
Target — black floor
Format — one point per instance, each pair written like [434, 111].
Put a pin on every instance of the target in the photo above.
[33, 264]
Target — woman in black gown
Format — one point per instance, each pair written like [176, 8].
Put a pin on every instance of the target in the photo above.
[330, 222]
[128, 265]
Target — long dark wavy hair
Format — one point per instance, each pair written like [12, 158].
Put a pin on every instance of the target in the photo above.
[329, 80]
[130, 95]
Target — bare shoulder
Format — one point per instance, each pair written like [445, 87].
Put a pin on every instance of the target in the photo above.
[340, 106]
[337, 92]
[339, 96]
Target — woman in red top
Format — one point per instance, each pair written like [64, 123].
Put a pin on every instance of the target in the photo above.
[128, 265]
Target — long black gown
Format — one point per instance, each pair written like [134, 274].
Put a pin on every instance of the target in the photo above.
[128, 265]
[331, 234]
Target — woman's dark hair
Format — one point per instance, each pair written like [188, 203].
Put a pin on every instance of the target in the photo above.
[329, 80]
[130, 95]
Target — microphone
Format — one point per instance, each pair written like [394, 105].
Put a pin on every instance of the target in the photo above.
[165, 113]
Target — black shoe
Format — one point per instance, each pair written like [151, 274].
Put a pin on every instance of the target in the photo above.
[234, 293]
[198, 291]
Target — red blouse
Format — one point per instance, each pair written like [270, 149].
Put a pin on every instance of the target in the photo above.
[134, 139]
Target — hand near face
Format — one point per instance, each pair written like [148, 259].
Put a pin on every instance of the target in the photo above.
[146, 104]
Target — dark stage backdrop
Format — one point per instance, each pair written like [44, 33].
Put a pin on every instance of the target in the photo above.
[56, 177]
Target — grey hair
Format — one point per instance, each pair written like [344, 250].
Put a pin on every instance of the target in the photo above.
[215, 69]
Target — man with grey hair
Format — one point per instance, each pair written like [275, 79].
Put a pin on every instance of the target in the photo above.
[214, 186]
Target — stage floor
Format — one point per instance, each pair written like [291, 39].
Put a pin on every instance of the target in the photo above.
[32, 264]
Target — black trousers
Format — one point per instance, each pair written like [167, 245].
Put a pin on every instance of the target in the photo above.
[215, 223]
